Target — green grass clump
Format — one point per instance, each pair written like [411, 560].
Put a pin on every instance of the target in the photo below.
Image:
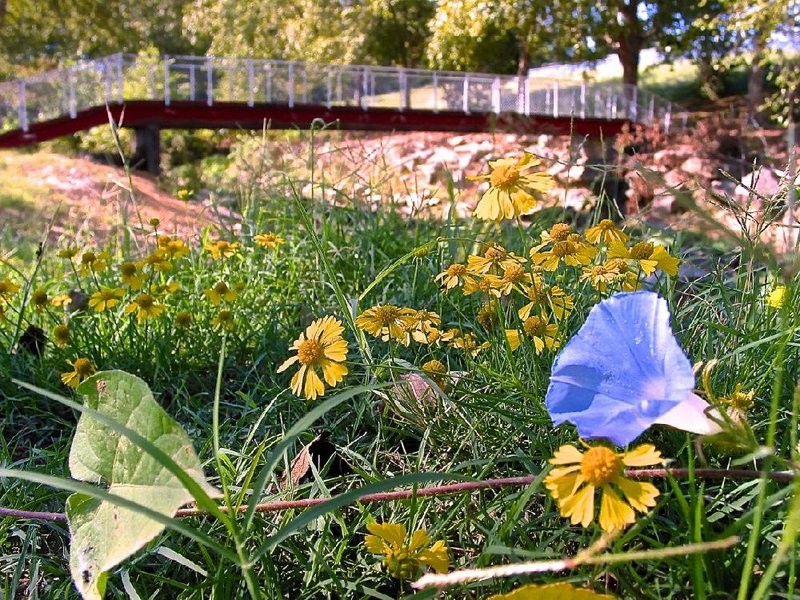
[211, 355]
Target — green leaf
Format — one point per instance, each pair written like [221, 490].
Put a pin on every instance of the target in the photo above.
[104, 534]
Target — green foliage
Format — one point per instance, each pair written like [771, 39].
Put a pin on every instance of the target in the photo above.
[103, 534]
[396, 32]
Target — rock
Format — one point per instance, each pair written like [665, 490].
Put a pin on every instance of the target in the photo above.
[724, 187]
[702, 167]
[579, 199]
[675, 178]
[764, 181]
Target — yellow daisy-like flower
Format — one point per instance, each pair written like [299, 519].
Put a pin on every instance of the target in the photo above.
[220, 292]
[551, 591]
[82, 369]
[422, 326]
[777, 297]
[464, 340]
[40, 300]
[601, 276]
[386, 321]
[61, 335]
[515, 277]
[546, 296]
[68, 253]
[158, 260]
[60, 300]
[573, 485]
[489, 261]
[7, 289]
[269, 239]
[222, 249]
[648, 256]
[92, 262]
[145, 307]
[437, 372]
[455, 275]
[511, 191]
[130, 274]
[605, 231]
[487, 317]
[105, 298]
[630, 279]
[541, 332]
[183, 319]
[488, 285]
[320, 347]
[173, 247]
[404, 558]
[224, 320]
[572, 251]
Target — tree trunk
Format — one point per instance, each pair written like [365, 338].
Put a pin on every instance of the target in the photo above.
[524, 60]
[630, 41]
[755, 82]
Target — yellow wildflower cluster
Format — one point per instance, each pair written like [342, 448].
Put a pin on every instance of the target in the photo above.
[404, 558]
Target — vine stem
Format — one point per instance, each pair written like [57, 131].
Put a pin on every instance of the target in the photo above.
[442, 490]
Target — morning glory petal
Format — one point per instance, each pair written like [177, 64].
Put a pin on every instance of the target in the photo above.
[622, 371]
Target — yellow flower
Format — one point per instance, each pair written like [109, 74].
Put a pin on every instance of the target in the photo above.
[630, 279]
[487, 317]
[386, 321]
[158, 260]
[320, 347]
[105, 298]
[456, 274]
[551, 591]
[82, 369]
[404, 559]
[61, 300]
[437, 372]
[464, 340]
[572, 251]
[487, 284]
[222, 249]
[511, 192]
[605, 231]
[93, 262]
[61, 335]
[741, 401]
[145, 307]
[220, 292]
[777, 297]
[268, 240]
[173, 247]
[648, 256]
[183, 319]
[515, 277]
[40, 299]
[539, 330]
[490, 260]
[7, 289]
[423, 324]
[130, 275]
[68, 253]
[601, 468]
[545, 296]
[224, 320]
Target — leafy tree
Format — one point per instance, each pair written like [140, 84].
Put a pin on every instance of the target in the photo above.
[396, 31]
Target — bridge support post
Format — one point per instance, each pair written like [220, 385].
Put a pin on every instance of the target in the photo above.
[147, 153]
[607, 183]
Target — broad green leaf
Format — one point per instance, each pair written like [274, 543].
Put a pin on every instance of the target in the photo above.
[103, 535]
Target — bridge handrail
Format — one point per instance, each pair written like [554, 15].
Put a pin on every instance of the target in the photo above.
[117, 78]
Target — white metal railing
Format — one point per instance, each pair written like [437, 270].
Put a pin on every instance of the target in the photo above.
[121, 77]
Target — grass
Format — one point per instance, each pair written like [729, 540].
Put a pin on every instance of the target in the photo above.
[491, 422]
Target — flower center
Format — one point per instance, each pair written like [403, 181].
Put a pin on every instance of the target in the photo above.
[494, 254]
[145, 301]
[83, 367]
[385, 315]
[534, 327]
[642, 250]
[434, 367]
[485, 285]
[309, 352]
[88, 258]
[514, 273]
[600, 465]
[39, 298]
[606, 224]
[616, 264]
[221, 288]
[456, 270]
[402, 565]
[128, 269]
[504, 176]
[562, 249]
[560, 232]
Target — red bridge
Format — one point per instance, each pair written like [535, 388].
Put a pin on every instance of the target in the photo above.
[150, 94]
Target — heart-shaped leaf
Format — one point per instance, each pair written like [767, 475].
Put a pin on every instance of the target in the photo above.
[103, 535]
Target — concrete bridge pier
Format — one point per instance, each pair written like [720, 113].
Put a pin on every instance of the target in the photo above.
[147, 150]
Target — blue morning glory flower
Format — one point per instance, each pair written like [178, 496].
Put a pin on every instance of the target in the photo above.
[623, 372]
